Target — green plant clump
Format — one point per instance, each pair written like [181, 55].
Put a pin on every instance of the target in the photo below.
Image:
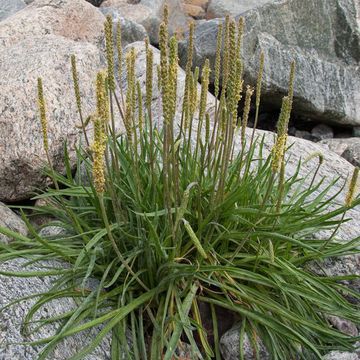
[173, 218]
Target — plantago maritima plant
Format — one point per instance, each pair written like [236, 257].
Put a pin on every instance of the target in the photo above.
[177, 217]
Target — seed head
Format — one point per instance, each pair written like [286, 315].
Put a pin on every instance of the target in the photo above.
[240, 27]
[172, 75]
[204, 88]
[102, 105]
[76, 82]
[207, 128]
[193, 97]
[232, 77]
[352, 188]
[163, 43]
[190, 49]
[98, 156]
[226, 57]
[110, 51]
[218, 59]
[119, 48]
[42, 110]
[166, 15]
[280, 145]
[291, 81]
[130, 93]
[140, 106]
[100, 123]
[149, 73]
[259, 79]
[249, 93]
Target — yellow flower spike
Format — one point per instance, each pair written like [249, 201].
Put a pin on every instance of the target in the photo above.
[128, 120]
[193, 100]
[259, 79]
[238, 90]
[110, 51]
[187, 108]
[190, 50]
[42, 110]
[218, 59]
[249, 93]
[102, 99]
[280, 144]
[173, 70]
[233, 74]
[119, 48]
[226, 56]
[132, 81]
[291, 81]
[149, 73]
[76, 82]
[166, 15]
[240, 28]
[158, 74]
[100, 121]
[352, 188]
[204, 89]
[207, 128]
[98, 162]
[140, 106]
[163, 43]
[232, 43]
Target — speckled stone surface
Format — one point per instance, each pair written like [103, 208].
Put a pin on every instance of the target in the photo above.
[13, 288]
[10, 7]
[338, 146]
[21, 146]
[9, 219]
[221, 8]
[230, 346]
[323, 38]
[76, 20]
[149, 14]
[352, 153]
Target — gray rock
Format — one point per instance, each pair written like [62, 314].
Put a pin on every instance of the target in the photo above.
[13, 288]
[76, 20]
[322, 36]
[149, 13]
[345, 326]
[342, 355]
[230, 346]
[52, 231]
[10, 7]
[303, 134]
[12, 221]
[322, 132]
[221, 8]
[130, 30]
[339, 145]
[346, 265]
[352, 153]
[22, 155]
